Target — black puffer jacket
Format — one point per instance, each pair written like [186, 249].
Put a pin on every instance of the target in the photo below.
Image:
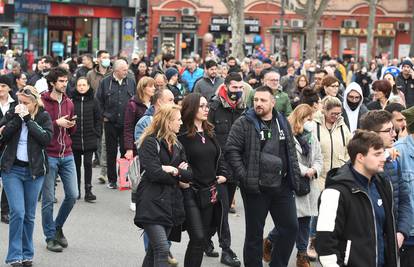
[89, 121]
[158, 198]
[40, 131]
[243, 151]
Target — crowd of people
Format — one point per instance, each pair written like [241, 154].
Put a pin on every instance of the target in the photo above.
[324, 146]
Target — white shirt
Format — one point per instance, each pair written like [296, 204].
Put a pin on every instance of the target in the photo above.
[4, 108]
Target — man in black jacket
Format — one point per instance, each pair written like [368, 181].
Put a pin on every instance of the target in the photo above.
[356, 222]
[405, 82]
[261, 151]
[113, 95]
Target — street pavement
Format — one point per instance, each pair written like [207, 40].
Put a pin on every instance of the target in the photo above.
[103, 234]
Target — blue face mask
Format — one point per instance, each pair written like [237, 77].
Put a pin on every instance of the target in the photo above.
[234, 96]
[105, 62]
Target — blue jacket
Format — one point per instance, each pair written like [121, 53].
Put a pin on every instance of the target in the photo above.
[406, 148]
[143, 123]
[192, 77]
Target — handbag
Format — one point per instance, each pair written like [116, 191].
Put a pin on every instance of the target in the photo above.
[206, 196]
[304, 186]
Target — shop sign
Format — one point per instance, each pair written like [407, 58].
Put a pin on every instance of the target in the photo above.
[189, 19]
[218, 20]
[167, 19]
[61, 23]
[277, 22]
[63, 10]
[363, 32]
[30, 6]
[86, 12]
[178, 26]
[222, 25]
[385, 26]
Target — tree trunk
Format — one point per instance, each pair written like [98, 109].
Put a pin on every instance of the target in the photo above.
[370, 30]
[312, 17]
[412, 33]
[236, 13]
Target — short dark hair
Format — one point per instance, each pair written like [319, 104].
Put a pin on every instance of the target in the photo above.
[264, 88]
[231, 58]
[89, 56]
[167, 57]
[235, 69]
[100, 52]
[232, 76]
[320, 70]
[54, 75]
[394, 107]
[210, 63]
[383, 86]
[309, 96]
[361, 142]
[374, 119]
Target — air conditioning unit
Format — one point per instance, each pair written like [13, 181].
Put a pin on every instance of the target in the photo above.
[296, 23]
[350, 23]
[187, 11]
[403, 26]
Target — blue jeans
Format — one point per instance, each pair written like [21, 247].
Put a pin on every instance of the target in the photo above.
[302, 239]
[66, 169]
[22, 192]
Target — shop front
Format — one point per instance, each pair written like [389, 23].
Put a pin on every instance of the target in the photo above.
[78, 29]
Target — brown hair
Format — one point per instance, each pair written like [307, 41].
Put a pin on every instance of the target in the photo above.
[374, 119]
[143, 83]
[383, 86]
[298, 79]
[361, 142]
[297, 117]
[329, 80]
[190, 107]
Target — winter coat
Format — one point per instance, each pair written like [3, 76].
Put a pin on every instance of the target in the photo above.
[113, 97]
[207, 87]
[307, 205]
[243, 151]
[143, 123]
[89, 122]
[159, 199]
[134, 110]
[346, 231]
[192, 77]
[333, 144]
[282, 101]
[95, 77]
[56, 110]
[353, 115]
[407, 87]
[40, 131]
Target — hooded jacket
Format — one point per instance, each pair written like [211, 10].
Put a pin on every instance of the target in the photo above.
[346, 230]
[333, 144]
[89, 121]
[351, 117]
[61, 144]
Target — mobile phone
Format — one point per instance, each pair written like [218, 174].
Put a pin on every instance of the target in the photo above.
[74, 117]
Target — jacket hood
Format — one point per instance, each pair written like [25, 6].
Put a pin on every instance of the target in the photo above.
[251, 116]
[352, 86]
[88, 95]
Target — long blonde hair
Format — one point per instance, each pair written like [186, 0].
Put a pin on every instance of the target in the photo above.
[160, 124]
[297, 117]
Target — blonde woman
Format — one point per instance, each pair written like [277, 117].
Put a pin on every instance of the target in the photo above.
[159, 201]
[310, 159]
[25, 131]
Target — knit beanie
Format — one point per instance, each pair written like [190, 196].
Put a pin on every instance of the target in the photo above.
[170, 72]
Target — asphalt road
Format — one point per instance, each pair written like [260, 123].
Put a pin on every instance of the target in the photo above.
[102, 234]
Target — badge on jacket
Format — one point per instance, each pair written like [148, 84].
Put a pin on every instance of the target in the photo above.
[379, 202]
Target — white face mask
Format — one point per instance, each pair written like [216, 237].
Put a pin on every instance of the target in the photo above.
[308, 126]
[106, 62]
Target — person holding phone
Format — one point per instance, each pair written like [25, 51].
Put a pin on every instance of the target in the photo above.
[25, 130]
[85, 139]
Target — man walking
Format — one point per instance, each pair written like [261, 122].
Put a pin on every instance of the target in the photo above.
[61, 160]
[261, 151]
[355, 224]
[113, 95]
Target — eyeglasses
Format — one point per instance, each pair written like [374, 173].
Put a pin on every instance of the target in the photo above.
[204, 106]
[273, 80]
[336, 114]
[389, 130]
[27, 92]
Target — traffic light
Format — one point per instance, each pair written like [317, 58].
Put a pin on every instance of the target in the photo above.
[142, 25]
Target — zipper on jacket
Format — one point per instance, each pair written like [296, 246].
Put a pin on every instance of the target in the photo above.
[330, 135]
[2, 154]
[82, 145]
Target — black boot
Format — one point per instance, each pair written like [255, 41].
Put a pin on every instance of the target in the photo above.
[89, 197]
[209, 250]
[229, 258]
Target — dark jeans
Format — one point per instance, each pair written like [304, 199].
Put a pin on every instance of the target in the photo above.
[198, 223]
[87, 167]
[4, 204]
[302, 239]
[158, 249]
[114, 138]
[231, 188]
[282, 208]
[407, 256]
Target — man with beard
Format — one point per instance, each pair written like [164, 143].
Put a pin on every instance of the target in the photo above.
[38, 80]
[261, 152]
[167, 61]
[207, 86]
[405, 82]
[398, 119]
[271, 79]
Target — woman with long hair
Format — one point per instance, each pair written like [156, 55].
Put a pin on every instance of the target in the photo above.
[301, 82]
[396, 95]
[310, 161]
[206, 201]
[25, 131]
[164, 168]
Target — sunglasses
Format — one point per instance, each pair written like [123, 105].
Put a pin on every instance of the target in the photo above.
[27, 92]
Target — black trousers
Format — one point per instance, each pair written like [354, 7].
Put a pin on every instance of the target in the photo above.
[407, 256]
[114, 138]
[282, 208]
[87, 167]
[4, 203]
[231, 188]
[158, 247]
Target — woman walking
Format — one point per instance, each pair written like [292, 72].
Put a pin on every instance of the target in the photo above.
[26, 131]
[85, 139]
[159, 201]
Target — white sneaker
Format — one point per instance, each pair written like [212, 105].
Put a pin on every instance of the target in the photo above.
[132, 206]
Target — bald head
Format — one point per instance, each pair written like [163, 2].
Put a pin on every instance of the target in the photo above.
[120, 69]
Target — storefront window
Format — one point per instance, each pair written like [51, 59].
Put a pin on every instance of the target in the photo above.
[187, 44]
[33, 25]
[168, 43]
[385, 47]
[349, 46]
[112, 35]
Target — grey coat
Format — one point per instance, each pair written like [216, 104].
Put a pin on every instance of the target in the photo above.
[307, 205]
